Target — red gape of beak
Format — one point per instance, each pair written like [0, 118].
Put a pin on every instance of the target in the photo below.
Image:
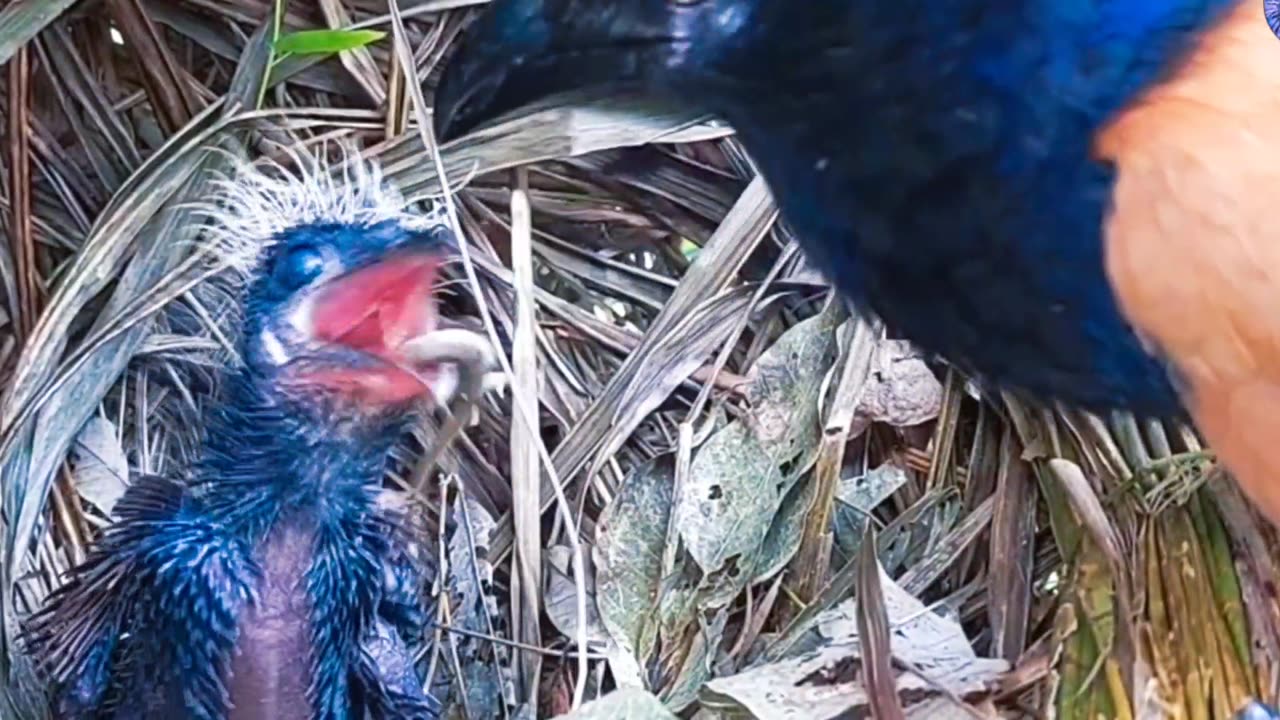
[375, 310]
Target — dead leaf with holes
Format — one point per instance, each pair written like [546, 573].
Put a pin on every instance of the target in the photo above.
[901, 390]
[826, 681]
[739, 478]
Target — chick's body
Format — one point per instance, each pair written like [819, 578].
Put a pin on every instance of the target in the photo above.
[272, 582]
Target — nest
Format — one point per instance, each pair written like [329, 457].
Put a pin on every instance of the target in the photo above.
[711, 483]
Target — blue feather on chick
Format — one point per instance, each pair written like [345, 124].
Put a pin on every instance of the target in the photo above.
[270, 581]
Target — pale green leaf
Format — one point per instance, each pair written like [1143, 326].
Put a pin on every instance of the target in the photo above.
[315, 42]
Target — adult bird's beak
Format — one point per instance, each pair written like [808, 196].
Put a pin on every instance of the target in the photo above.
[521, 53]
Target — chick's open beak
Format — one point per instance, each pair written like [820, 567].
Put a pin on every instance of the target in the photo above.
[386, 313]
[377, 308]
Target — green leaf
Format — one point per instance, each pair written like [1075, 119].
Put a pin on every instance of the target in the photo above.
[312, 42]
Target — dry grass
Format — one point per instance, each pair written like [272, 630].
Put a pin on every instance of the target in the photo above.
[727, 448]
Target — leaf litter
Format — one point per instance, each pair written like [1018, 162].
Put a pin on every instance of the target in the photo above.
[1037, 540]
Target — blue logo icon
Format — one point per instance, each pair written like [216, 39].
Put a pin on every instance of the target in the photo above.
[1271, 8]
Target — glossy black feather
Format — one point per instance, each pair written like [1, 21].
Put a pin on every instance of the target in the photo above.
[935, 157]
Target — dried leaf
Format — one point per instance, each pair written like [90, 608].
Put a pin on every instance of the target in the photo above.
[630, 539]
[785, 533]
[865, 492]
[728, 503]
[873, 636]
[100, 468]
[901, 390]
[695, 671]
[1088, 507]
[526, 478]
[824, 683]
[22, 20]
[561, 596]
[739, 478]
[487, 678]
[857, 496]
[471, 573]
[1012, 561]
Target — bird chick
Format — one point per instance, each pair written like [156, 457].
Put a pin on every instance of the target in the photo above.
[271, 583]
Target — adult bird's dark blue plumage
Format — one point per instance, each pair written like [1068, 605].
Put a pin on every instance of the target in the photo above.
[1070, 198]
[274, 583]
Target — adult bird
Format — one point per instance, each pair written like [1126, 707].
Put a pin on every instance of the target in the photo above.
[272, 582]
[1069, 198]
